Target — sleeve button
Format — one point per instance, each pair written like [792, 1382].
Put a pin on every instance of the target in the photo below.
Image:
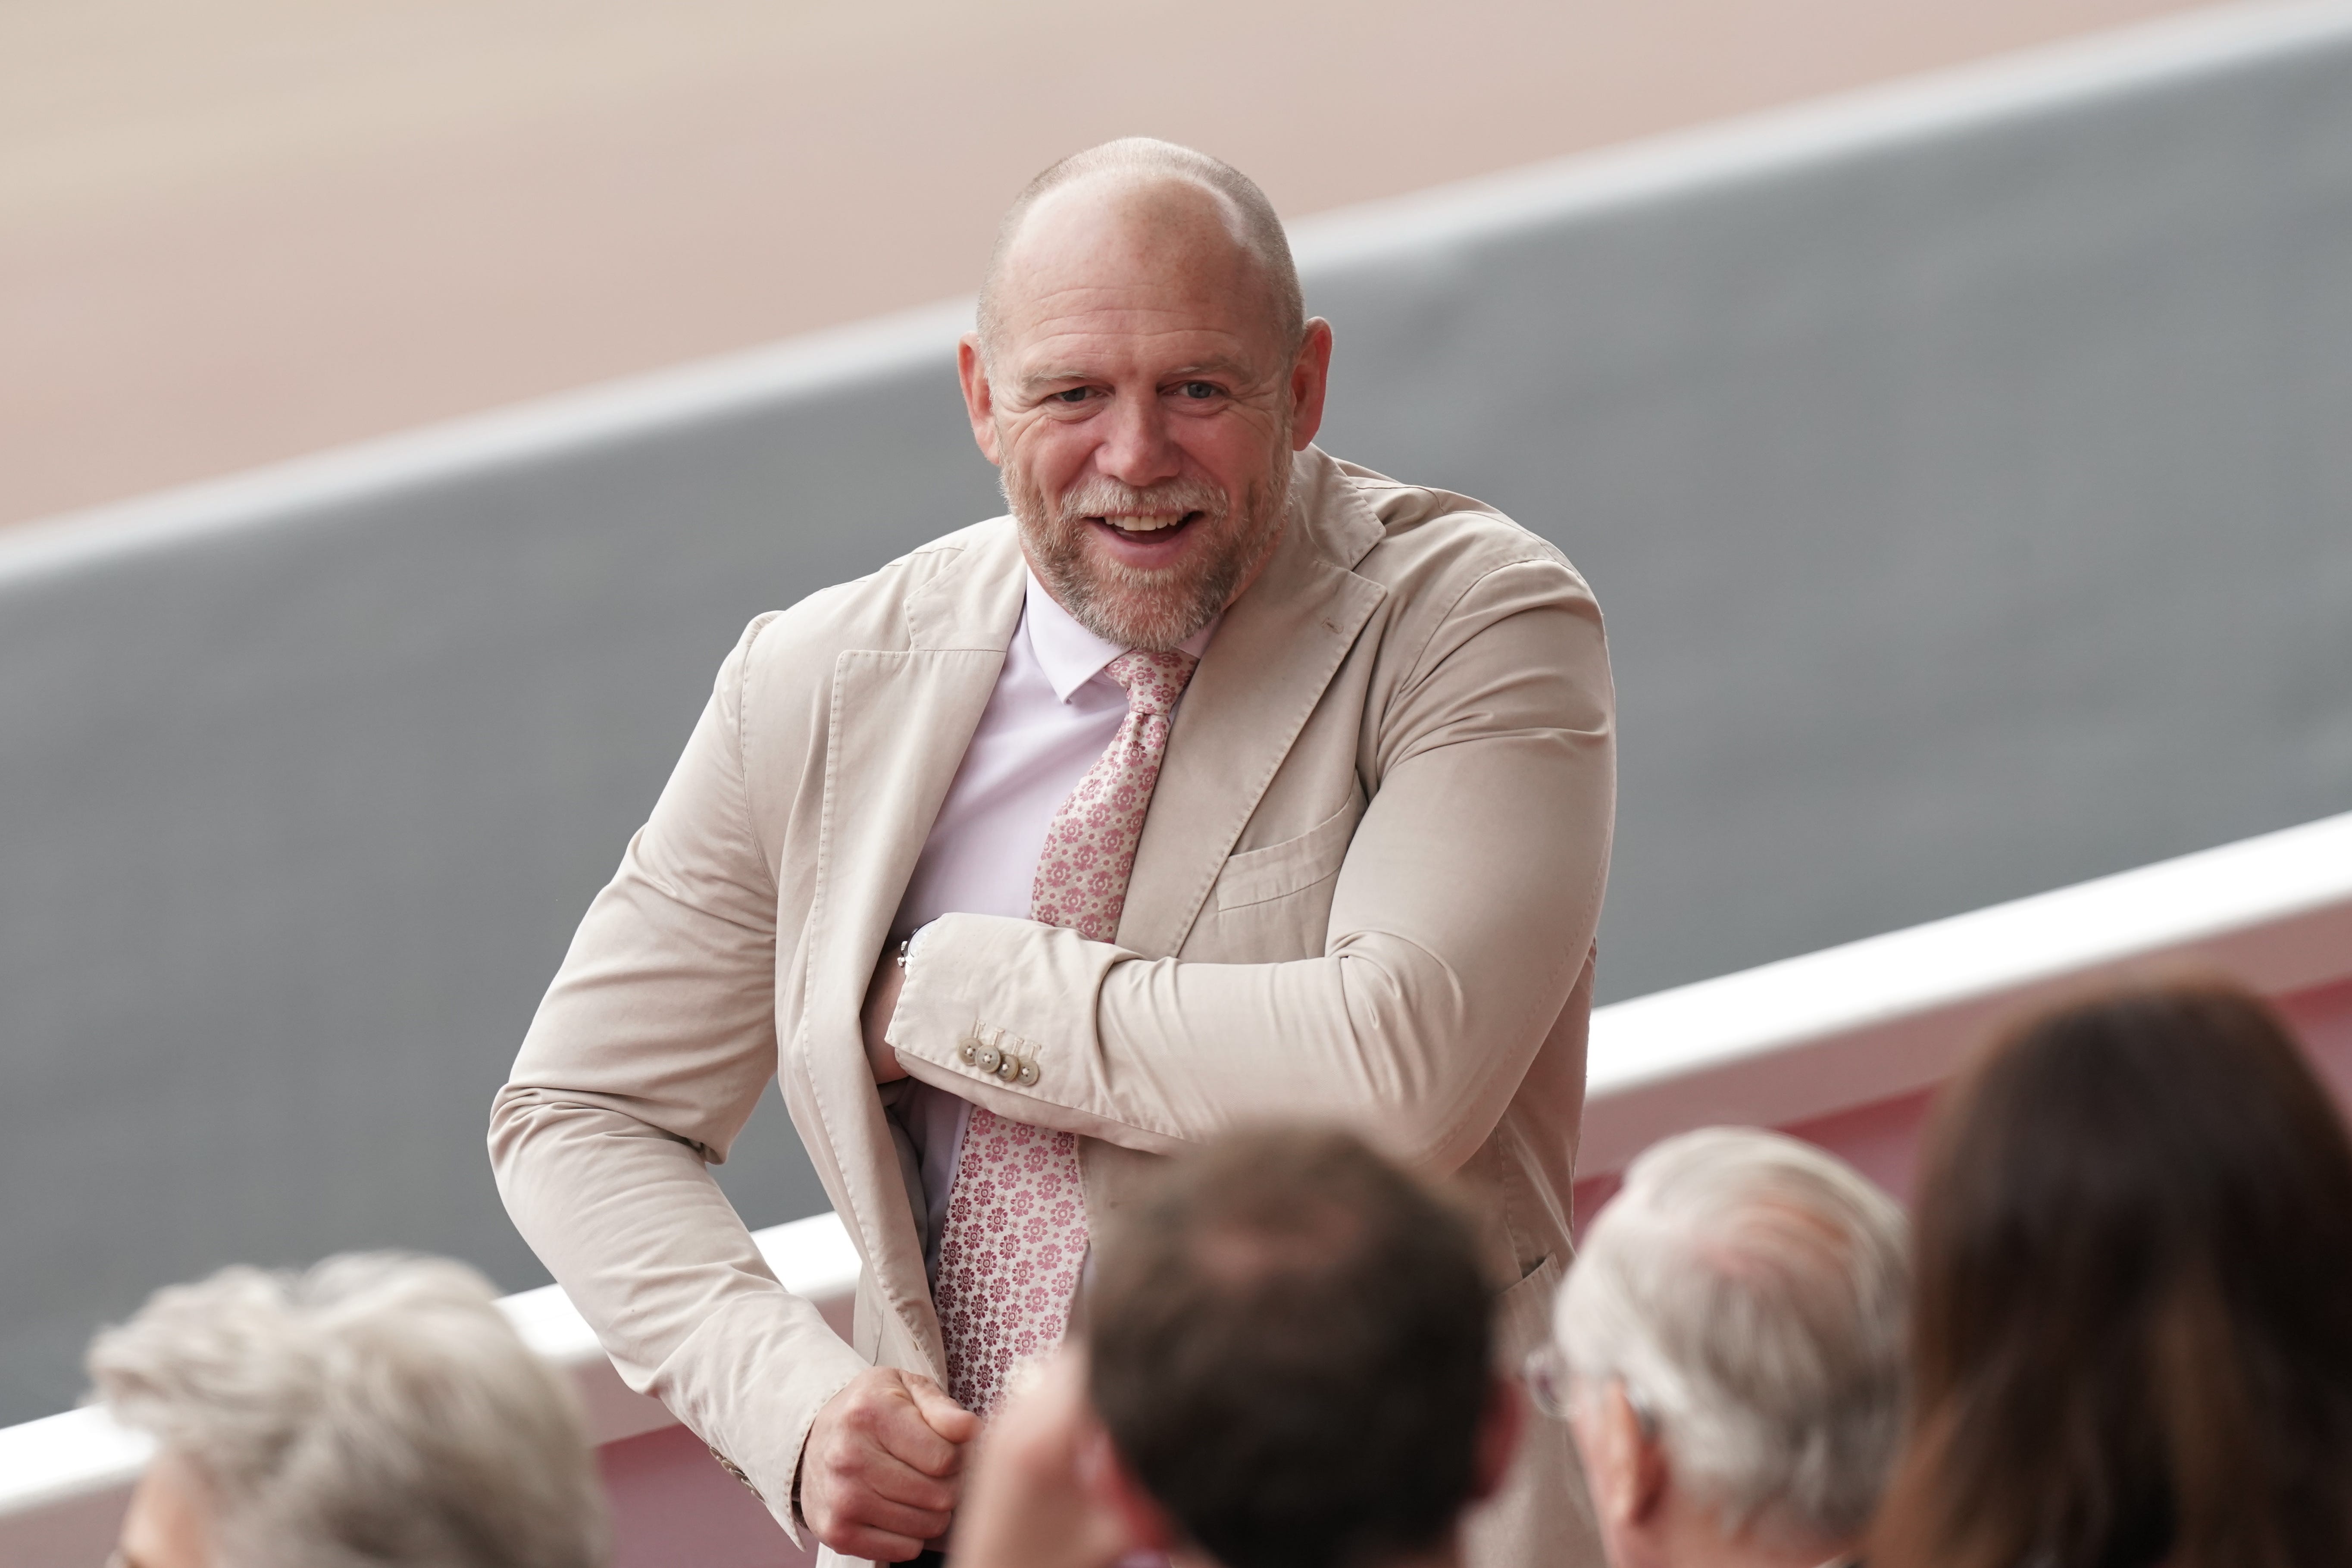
[987, 1058]
[1028, 1074]
[730, 1467]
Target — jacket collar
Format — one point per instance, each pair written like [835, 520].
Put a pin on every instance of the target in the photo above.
[1274, 652]
[974, 599]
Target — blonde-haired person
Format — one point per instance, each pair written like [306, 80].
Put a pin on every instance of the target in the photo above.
[1728, 1351]
[376, 1410]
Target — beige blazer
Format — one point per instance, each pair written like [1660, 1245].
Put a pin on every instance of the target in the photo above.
[1366, 892]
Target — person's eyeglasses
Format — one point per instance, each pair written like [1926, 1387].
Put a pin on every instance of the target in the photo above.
[1549, 1380]
[1545, 1376]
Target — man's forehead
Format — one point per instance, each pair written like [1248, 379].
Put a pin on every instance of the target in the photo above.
[1114, 345]
[1129, 257]
[1042, 363]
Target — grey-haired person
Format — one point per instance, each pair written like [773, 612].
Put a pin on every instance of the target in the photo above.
[377, 1410]
[1728, 1351]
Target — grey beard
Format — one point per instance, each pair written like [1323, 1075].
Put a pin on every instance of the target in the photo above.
[1154, 610]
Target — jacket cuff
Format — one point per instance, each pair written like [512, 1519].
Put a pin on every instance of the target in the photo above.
[1001, 1012]
[753, 1403]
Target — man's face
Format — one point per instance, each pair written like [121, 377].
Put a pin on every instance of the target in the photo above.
[1143, 402]
[169, 1524]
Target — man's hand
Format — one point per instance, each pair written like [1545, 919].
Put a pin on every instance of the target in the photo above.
[1046, 1488]
[881, 1002]
[883, 1463]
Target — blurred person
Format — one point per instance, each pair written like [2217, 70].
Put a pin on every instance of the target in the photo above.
[378, 1410]
[1288, 1362]
[2133, 1339]
[1729, 1352]
[1219, 779]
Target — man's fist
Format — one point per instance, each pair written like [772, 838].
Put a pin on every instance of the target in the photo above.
[882, 1465]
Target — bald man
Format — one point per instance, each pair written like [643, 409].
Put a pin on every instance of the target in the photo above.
[1222, 779]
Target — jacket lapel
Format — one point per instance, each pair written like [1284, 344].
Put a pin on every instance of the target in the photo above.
[899, 723]
[1274, 653]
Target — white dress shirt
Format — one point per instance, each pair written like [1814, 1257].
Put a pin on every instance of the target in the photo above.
[1052, 716]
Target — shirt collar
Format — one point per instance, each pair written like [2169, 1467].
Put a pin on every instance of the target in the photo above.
[1069, 652]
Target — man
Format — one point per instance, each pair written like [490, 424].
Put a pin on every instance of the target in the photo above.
[377, 1412]
[1220, 779]
[1288, 1364]
[1732, 1341]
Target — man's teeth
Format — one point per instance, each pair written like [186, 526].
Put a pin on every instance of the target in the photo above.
[1144, 522]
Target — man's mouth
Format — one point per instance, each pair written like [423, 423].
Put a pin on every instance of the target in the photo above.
[1142, 526]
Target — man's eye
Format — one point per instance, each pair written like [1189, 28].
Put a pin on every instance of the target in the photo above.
[1075, 394]
[1199, 389]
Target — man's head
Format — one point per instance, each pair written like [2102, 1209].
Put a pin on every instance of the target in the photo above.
[1142, 373]
[1290, 1344]
[1733, 1332]
[378, 1410]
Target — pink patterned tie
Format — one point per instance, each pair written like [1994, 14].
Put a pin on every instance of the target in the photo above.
[1016, 1226]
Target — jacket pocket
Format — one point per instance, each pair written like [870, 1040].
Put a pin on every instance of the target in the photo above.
[1278, 870]
[1523, 1312]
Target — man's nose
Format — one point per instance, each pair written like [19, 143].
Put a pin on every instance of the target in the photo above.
[1137, 448]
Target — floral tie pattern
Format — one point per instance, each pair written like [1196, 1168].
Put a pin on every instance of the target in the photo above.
[1016, 1227]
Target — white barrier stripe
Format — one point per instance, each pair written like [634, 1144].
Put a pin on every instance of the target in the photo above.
[59, 1458]
[2197, 43]
[542, 427]
[1948, 103]
[1889, 1014]
[2173, 906]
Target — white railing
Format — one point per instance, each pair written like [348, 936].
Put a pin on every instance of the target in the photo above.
[1872, 1020]
[1782, 1044]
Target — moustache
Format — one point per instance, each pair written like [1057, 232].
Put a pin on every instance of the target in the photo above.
[1100, 496]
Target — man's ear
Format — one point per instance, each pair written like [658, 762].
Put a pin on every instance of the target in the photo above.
[1625, 1467]
[1310, 378]
[1647, 1470]
[979, 397]
[1113, 1486]
[1499, 1431]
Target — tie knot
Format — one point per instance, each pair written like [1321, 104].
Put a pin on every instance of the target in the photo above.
[1152, 680]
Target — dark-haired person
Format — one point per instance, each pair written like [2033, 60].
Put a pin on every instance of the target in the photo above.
[2133, 1319]
[1288, 1363]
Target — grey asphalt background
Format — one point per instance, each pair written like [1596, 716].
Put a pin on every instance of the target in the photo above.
[1972, 513]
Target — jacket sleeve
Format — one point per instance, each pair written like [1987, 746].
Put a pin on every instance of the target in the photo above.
[645, 1062]
[1462, 918]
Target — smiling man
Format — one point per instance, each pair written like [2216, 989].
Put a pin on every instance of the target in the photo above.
[1222, 780]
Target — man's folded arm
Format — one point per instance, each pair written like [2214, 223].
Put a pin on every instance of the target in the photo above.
[1462, 918]
[644, 1060]
[657, 1261]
